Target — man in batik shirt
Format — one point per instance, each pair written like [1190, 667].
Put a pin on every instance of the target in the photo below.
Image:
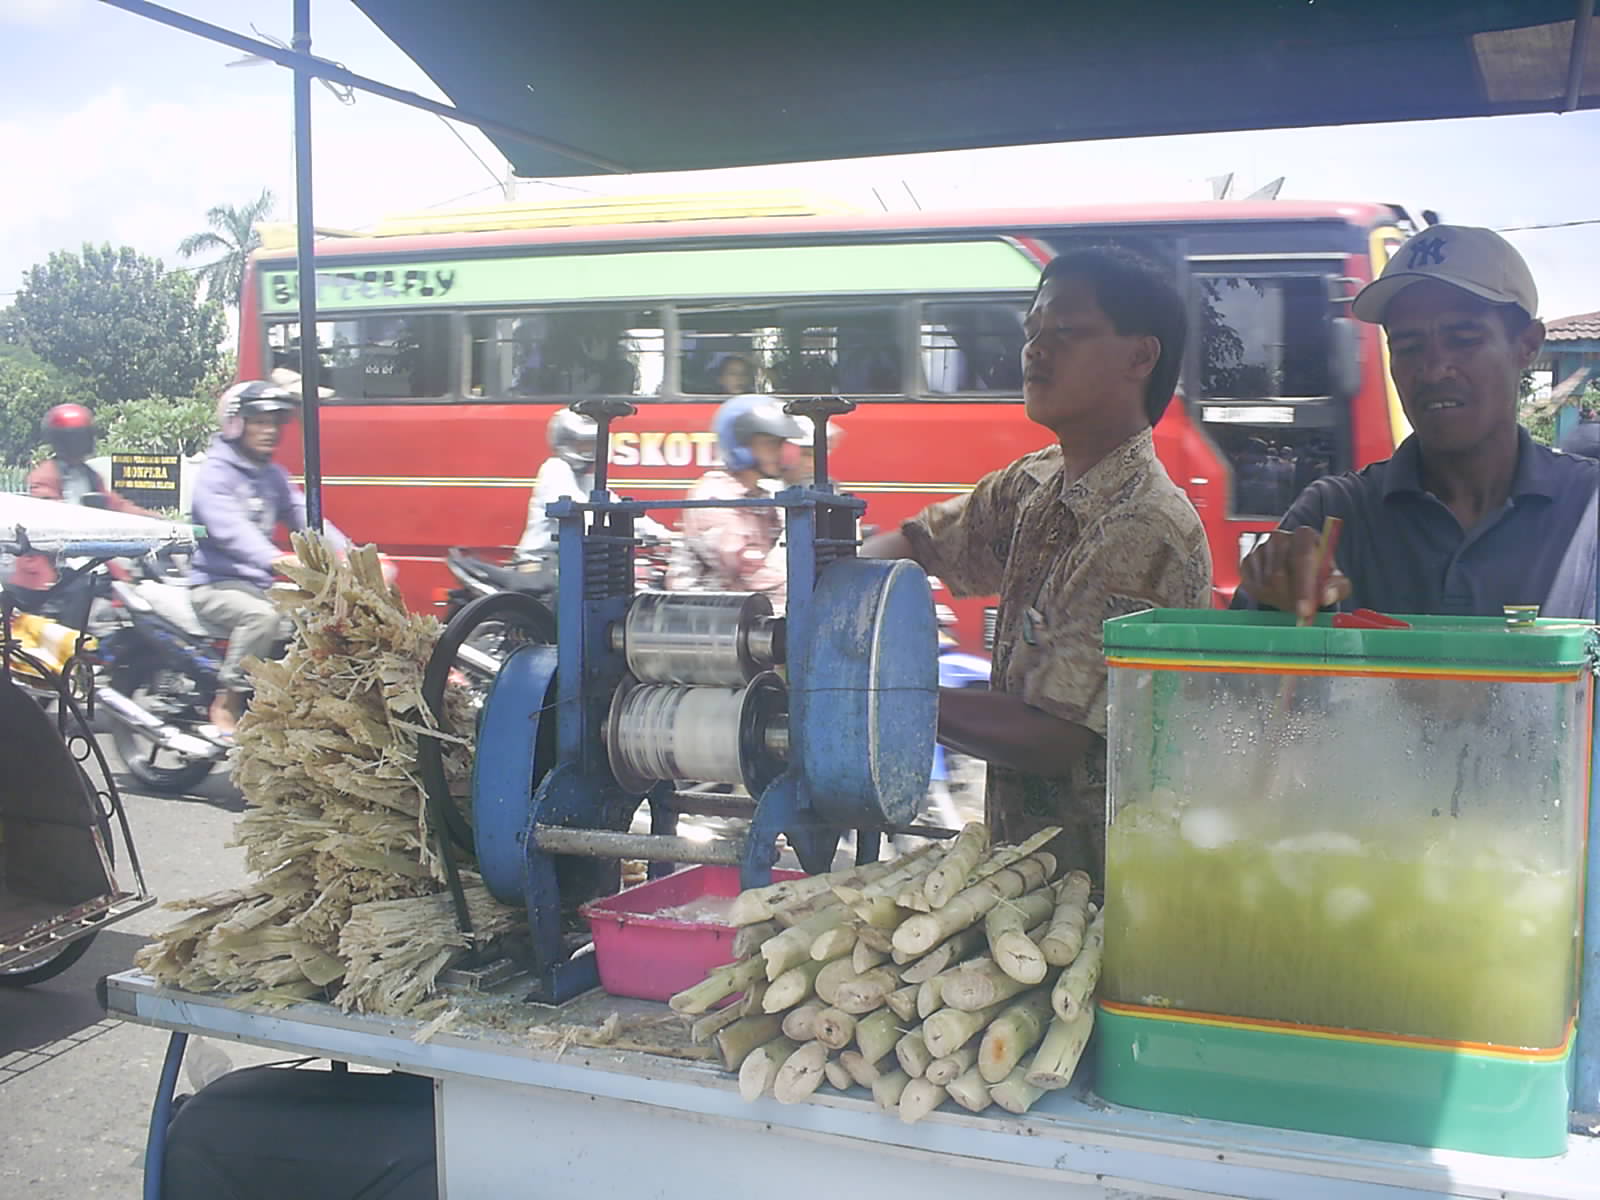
[1068, 536]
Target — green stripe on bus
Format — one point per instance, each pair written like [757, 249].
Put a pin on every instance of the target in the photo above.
[775, 271]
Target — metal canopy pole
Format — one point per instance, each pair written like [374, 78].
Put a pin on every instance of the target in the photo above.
[306, 266]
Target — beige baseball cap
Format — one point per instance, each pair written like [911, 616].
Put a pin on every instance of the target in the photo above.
[1478, 261]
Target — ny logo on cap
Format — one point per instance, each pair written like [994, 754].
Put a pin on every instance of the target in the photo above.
[1425, 252]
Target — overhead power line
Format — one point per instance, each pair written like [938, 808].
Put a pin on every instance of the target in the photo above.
[1551, 225]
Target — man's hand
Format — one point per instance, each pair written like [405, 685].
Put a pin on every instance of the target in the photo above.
[1282, 573]
[891, 543]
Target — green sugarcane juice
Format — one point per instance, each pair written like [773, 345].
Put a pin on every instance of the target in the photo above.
[1446, 929]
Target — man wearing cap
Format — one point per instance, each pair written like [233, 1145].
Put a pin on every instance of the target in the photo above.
[1471, 514]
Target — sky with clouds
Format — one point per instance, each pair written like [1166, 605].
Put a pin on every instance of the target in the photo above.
[117, 129]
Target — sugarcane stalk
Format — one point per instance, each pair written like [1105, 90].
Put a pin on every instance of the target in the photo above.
[736, 1042]
[930, 997]
[749, 939]
[924, 931]
[881, 940]
[868, 991]
[978, 984]
[999, 860]
[919, 1098]
[831, 976]
[908, 866]
[942, 1070]
[834, 1028]
[954, 949]
[793, 946]
[719, 984]
[969, 1090]
[1014, 1093]
[863, 1072]
[863, 957]
[876, 1035]
[880, 912]
[762, 904]
[949, 1029]
[801, 1074]
[833, 943]
[792, 987]
[707, 1026]
[1064, 938]
[1006, 930]
[903, 1003]
[838, 1078]
[801, 1023]
[754, 995]
[889, 1087]
[1019, 1028]
[760, 1067]
[1077, 982]
[912, 1053]
[945, 880]
[1058, 1054]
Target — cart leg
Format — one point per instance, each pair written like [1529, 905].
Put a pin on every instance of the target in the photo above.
[155, 1148]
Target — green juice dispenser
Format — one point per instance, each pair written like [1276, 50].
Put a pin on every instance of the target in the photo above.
[1344, 874]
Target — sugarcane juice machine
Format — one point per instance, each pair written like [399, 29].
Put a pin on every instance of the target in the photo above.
[825, 715]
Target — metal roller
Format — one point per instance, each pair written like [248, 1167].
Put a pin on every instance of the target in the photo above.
[711, 638]
[706, 734]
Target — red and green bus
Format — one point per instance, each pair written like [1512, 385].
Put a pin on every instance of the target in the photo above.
[449, 342]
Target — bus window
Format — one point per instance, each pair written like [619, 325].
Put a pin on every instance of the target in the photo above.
[589, 352]
[795, 349]
[386, 356]
[973, 346]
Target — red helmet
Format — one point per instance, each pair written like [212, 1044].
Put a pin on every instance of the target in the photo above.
[66, 416]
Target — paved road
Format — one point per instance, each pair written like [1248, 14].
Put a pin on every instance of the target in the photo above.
[75, 1085]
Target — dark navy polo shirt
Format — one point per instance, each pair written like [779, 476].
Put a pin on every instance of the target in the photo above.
[1405, 552]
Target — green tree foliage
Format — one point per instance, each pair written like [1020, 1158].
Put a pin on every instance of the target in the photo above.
[28, 388]
[121, 321]
[160, 425]
[231, 238]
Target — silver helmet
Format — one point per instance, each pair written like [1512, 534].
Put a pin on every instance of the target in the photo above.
[571, 437]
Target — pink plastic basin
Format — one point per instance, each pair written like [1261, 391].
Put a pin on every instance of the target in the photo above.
[643, 954]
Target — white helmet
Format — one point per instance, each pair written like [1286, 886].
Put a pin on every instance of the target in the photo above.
[571, 437]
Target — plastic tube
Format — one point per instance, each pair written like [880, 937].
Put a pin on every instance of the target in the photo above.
[1586, 1093]
[155, 1147]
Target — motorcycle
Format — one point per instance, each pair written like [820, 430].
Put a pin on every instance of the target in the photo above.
[479, 577]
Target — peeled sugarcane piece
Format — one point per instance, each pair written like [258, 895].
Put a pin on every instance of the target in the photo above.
[876, 1035]
[881, 940]
[948, 878]
[838, 1078]
[801, 1074]
[943, 1070]
[754, 995]
[793, 946]
[978, 984]
[801, 1023]
[924, 931]
[930, 996]
[1014, 1093]
[762, 904]
[749, 939]
[760, 1068]
[912, 1053]
[1006, 929]
[954, 949]
[863, 957]
[889, 1087]
[949, 1029]
[1077, 982]
[998, 861]
[1057, 1057]
[834, 1028]
[908, 866]
[831, 976]
[868, 991]
[863, 1072]
[1019, 1028]
[833, 943]
[1064, 938]
[903, 1003]
[969, 1090]
[918, 1099]
[736, 1042]
[719, 984]
[707, 1026]
[792, 987]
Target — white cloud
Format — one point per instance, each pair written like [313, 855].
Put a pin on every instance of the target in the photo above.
[43, 14]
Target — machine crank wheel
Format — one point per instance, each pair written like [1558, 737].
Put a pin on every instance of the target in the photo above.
[159, 770]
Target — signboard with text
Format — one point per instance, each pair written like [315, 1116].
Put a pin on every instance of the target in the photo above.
[149, 480]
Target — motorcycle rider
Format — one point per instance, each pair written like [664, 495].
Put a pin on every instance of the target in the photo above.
[241, 496]
[67, 476]
[730, 549]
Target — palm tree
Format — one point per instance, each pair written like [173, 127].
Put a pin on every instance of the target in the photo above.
[233, 234]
